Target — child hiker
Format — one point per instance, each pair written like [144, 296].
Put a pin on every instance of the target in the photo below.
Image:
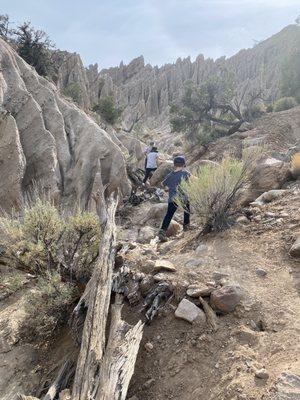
[151, 163]
[171, 183]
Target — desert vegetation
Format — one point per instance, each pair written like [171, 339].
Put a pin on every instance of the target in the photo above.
[213, 109]
[59, 253]
[214, 190]
[108, 110]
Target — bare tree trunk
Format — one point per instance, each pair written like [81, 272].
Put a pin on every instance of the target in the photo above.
[120, 356]
[104, 371]
[97, 298]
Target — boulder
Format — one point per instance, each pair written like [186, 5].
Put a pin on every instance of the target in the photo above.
[164, 265]
[173, 229]
[65, 395]
[155, 212]
[162, 171]
[287, 387]
[146, 233]
[189, 311]
[269, 196]
[226, 298]
[270, 174]
[295, 249]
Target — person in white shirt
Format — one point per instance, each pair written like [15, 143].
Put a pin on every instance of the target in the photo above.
[147, 151]
[151, 163]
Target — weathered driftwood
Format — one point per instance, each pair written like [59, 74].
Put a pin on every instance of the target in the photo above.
[62, 381]
[211, 318]
[104, 371]
[117, 366]
[97, 299]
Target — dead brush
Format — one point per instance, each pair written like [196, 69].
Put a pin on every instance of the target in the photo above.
[295, 165]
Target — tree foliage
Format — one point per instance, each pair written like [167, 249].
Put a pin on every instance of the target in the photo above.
[108, 110]
[33, 45]
[74, 91]
[284, 103]
[207, 105]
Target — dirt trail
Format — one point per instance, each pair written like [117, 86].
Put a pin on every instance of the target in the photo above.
[190, 361]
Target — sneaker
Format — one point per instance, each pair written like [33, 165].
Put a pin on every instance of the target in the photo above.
[162, 236]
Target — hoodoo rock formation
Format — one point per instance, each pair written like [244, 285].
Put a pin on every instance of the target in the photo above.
[48, 141]
[146, 92]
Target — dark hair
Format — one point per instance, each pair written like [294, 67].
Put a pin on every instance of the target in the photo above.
[154, 149]
[179, 161]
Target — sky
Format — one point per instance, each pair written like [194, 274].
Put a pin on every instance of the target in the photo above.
[111, 31]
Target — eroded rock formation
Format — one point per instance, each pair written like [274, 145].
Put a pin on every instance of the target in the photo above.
[145, 92]
[49, 141]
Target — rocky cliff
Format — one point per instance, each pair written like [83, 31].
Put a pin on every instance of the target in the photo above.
[145, 92]
[48, 141]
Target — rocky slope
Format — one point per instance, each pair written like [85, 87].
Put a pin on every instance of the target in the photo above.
[49, 141]
[145, 92]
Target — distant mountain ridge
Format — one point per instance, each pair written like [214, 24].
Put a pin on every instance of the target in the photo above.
[145, 92]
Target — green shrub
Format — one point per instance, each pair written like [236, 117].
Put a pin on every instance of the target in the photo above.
[108, 110]
[285, 103]
[43, 240]
[270, 108]
[74, 92]
[60, 251]
[255, 111]
[48, 305]
[213, 191]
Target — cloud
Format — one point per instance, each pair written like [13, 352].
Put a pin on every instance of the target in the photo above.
[110, 31]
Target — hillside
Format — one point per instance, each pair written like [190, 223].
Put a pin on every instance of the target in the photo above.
[145, 92]
[202, 316]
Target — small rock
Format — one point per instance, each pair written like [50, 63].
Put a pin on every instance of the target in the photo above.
[133, 398]
[200, 249]
[198, 291]
[164, 265]
[194, 262]
[148, 383]
[65, 395]
[173, 229]
[226, 298]
[260, 272]
[262, 374]
[160, 277]
[295, 249]
[217, 276]
[242, 220]
[149, 346]
[188, 311]
[269, 214]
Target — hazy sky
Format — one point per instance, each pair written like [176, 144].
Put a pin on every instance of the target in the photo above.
[162, 30]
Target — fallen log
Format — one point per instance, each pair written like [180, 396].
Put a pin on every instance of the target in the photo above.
[96, 299]
[62, 381]
[120, 355]
[104, 371]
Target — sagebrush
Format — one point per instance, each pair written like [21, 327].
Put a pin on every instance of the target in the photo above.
[285, 103]
[59, 250]
[214, 189]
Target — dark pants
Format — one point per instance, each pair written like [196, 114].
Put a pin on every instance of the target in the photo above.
[148, 173]
[172, 207]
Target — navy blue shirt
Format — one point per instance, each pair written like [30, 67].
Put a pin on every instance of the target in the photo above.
[172, 181]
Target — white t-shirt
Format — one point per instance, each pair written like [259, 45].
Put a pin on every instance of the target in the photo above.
[152, 160]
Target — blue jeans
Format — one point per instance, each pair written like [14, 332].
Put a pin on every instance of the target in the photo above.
[172, 207]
